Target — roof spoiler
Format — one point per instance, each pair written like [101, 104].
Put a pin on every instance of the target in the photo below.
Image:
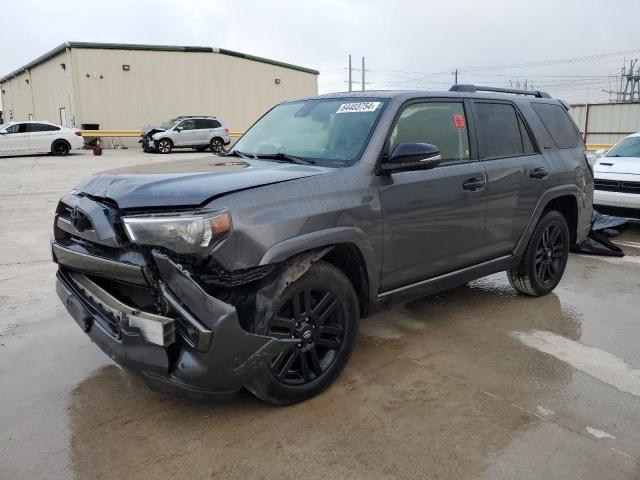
[475, 88]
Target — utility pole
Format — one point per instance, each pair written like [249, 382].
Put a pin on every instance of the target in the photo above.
[629, 89]
[363, 74]
[455, 73]
[349, 72]
[632, 84]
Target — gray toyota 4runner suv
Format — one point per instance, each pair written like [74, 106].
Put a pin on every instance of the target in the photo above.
[253, 269]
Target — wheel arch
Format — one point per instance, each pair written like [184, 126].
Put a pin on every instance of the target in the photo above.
[348, 249]
[567, 205]
[559, 192]
[563, 196]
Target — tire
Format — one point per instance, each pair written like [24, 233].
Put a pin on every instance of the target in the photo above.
[216, 145]
[324, 319]
[60, 148]
[165, 146]
[545, 257]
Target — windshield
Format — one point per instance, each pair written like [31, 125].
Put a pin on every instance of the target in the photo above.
[628, 147]
[169, 124]
[331, 132]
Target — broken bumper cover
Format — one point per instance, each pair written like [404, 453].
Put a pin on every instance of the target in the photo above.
[214, 369]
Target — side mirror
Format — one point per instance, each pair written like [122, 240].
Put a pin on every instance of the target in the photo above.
[412, 156]
[178, 129]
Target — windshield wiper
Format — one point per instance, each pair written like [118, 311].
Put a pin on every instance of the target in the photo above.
[237, 153]
[284, 157]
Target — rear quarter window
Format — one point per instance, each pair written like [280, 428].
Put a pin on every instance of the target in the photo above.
[205, 123]
[558, 123]
[42, 127]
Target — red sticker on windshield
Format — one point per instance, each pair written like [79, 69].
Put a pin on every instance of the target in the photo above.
[458, 120]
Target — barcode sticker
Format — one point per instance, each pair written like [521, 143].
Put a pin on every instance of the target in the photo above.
[358, 107]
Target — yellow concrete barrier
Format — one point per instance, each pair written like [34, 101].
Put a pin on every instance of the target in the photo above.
[592, 147]
[111, 133]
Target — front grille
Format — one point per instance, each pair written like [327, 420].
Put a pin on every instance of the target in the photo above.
[621, 186]
[89, 219]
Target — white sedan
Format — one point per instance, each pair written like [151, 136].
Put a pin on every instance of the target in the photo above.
[617, 179]
[27, 138]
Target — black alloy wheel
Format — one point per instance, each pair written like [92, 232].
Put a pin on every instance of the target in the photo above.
[550, 254]
[314, 319]
[60, 148]
[545, 258]
[317, 315]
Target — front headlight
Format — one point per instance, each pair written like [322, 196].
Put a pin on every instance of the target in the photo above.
[185, 233]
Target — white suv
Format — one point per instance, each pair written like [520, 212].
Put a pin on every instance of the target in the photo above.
[617, 179]
[28, 138]
[186, 132]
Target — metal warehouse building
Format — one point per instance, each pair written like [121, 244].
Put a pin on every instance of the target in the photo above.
[122, 86]
[603, 124]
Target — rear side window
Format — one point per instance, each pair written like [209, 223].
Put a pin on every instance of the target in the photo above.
[42, 127]
[204, 123]
[558, 123]
[442, 124]
[502, 132]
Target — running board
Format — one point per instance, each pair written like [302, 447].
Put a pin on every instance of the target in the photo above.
[464, 275]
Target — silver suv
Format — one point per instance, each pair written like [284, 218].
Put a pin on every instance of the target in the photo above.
[199, 133]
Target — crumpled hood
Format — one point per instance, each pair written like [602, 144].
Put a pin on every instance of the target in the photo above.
[147, 128]
[189, 182]
[630, 165]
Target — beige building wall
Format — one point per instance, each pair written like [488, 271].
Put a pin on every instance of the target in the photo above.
[49, 89]
[92, 87]
[163, 85]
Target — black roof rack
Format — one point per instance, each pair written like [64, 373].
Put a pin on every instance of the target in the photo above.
[475, 88]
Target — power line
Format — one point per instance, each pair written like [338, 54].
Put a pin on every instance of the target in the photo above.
[585, 58]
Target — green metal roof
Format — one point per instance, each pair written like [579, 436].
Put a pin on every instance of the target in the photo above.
[152, 48]
[246, 56]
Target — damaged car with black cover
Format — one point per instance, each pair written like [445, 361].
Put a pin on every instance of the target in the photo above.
[252, 269]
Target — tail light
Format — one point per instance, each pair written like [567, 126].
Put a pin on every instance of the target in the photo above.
[226, 130]
[78, 133]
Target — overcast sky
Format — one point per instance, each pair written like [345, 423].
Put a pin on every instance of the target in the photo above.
[407, 44]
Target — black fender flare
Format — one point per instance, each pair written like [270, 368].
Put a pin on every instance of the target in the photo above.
[286, 249]
[543, 201]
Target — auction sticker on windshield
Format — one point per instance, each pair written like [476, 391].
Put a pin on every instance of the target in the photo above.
[358, 107]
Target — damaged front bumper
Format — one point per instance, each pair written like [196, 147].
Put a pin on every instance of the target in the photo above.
[213, 361]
